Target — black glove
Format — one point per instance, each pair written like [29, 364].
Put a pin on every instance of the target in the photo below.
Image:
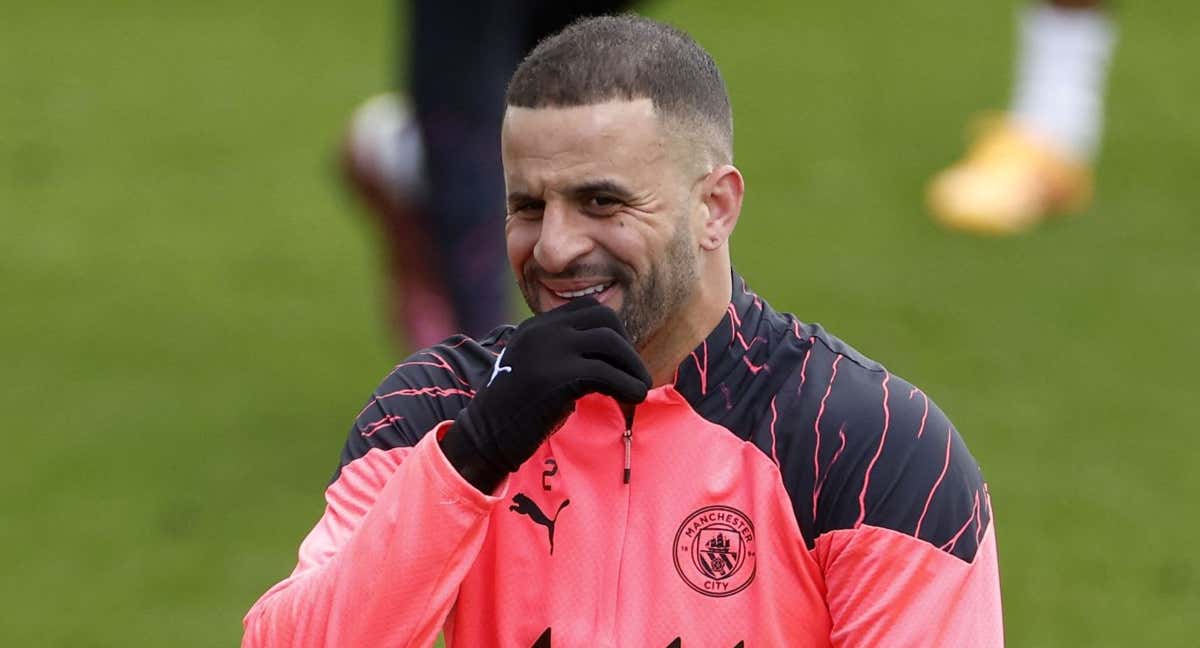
[551, 360]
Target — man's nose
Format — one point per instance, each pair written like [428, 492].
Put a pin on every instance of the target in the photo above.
[565, 236]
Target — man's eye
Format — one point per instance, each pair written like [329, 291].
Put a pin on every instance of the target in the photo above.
[603, 202]
[527, 210]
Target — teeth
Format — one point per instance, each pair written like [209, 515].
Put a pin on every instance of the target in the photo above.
[590, 290]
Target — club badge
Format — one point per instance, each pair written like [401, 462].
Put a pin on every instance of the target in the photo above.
[715, 551]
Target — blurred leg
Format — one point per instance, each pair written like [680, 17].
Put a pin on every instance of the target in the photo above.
[462, 55]
[1061, 74]
[382, 161]
[1035, 163]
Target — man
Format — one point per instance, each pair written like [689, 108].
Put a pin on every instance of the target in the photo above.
[1036, 163]
[657, 457]
[433, 180]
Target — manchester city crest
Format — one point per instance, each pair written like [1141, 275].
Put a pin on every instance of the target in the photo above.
[715, 551]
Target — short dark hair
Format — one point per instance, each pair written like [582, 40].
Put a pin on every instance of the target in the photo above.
[606, 58]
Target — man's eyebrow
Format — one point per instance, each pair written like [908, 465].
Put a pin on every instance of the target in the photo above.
[520, 197]
[592, 187]
[602, 186]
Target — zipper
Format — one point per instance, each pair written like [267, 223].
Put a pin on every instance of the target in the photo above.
[628, 435]
[613, 590]
[627, 438]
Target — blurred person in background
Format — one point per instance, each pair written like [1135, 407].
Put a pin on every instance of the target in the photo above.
[431, 174]
[1035, 161]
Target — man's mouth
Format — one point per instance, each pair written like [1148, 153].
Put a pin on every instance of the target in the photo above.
[594, 289]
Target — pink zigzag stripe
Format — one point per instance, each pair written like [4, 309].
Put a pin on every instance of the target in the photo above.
[733, 316]
[741, 340]
[374, 399]
[828, 469]
[949, 546]
[945, 467]
[987, 502]
[887, 417]
[817, 430]
[438, 392]
[754, 369]
[441, 364]
[465, 340]
[804, 366]
[746, 291]
[702, 368]
[371, 429]
[917, 390]
[978, 525]
[774, 417]
[735, 324]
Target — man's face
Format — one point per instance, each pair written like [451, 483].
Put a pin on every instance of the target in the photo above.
[600, 204]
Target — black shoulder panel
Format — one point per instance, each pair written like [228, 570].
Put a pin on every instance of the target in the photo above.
[854, 444]
[429, 387]
[861, 446]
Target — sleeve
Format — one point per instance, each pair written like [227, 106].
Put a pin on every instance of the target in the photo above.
[400, 530]
[904, 533]
[886, 588]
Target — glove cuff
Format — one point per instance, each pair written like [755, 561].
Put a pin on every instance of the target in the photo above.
[473, 463]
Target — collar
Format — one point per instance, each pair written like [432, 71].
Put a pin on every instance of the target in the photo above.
[735, 351]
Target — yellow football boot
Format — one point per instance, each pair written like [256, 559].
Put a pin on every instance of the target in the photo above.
[1009, 181]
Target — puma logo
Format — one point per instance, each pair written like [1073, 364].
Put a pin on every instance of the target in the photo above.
[525, 506]
[498, 369]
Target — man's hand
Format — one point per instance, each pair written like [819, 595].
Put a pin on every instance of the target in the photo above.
[551, 360]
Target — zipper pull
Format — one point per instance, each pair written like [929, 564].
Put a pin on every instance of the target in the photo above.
[628, 437]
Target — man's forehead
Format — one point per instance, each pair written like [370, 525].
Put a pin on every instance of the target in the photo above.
[599, 114]
[615, 134]
[571, 127]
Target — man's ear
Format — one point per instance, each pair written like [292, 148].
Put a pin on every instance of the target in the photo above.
[721, 193]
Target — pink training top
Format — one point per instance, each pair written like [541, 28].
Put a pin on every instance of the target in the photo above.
[784, 491]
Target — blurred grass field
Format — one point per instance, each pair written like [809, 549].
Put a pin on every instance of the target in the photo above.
[190, 313]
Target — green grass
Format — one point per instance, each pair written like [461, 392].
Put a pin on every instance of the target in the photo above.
[190, 313]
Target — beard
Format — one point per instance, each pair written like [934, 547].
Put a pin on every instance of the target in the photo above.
[649, 301]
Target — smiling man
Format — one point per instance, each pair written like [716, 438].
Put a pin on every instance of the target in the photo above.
[656, 457]
[604, 201]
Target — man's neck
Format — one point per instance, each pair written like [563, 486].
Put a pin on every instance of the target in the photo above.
[680, 335]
